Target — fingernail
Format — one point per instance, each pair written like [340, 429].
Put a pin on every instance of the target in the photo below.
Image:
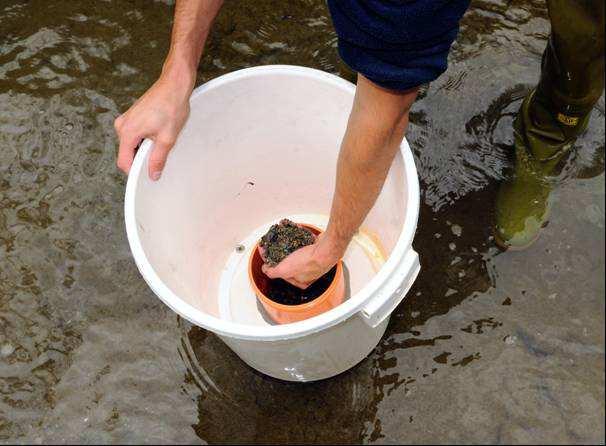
[156, 175]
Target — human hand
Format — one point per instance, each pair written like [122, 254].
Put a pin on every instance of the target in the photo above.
[306, 265]
[159, 115]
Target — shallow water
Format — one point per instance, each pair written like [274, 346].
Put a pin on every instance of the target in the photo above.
[488, 347]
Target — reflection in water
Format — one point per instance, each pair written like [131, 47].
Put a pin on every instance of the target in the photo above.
[487, 347]
[237, 403]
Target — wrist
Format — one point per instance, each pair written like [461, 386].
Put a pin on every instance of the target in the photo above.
[331, 248]
[179, 74]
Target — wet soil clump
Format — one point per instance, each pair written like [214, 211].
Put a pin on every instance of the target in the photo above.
[283, 239]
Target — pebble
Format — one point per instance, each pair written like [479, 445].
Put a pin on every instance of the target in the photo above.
[456, 230]
[510, 340]
[6, 350]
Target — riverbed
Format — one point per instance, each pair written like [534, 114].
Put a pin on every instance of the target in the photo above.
[488, 347]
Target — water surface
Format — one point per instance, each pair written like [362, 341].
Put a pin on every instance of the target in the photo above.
[488, 347]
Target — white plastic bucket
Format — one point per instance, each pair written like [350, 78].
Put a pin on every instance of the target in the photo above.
[261, 144]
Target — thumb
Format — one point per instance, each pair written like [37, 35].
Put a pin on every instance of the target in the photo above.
[273, 272]
[278, 273]
[157, 159]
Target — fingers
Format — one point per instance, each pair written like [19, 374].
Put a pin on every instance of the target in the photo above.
[130, 139]
[157, 159]
[277, 273]
[298, 284]
[126, 151]
[271, 272]
[262, 253]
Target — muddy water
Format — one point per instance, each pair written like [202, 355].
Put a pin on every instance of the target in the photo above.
[488, 347]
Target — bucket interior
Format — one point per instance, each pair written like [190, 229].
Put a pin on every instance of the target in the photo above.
[256, 148]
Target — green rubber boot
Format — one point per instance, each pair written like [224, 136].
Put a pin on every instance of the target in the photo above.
[523, 203]
[551, 118]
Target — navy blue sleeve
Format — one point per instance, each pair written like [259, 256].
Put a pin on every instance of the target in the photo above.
[397, 44]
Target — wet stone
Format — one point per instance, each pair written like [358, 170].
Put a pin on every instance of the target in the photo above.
[510, 339]
[456, 230]
[6, 350]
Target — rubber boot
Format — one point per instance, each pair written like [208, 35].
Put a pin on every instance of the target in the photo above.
[551, 118]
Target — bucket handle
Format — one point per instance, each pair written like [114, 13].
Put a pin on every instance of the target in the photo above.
[393, 292]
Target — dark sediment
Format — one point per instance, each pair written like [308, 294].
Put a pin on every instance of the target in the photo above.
[284, 293]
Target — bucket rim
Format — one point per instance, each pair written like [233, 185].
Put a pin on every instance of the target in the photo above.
[275, 332]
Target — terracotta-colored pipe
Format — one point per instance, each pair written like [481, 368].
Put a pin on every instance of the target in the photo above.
[285, 314]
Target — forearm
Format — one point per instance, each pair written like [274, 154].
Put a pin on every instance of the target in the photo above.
[192, 23]
[374, 133]
[376, 126]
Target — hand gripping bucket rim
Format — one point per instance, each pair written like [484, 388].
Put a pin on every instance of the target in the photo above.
[369, 300]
